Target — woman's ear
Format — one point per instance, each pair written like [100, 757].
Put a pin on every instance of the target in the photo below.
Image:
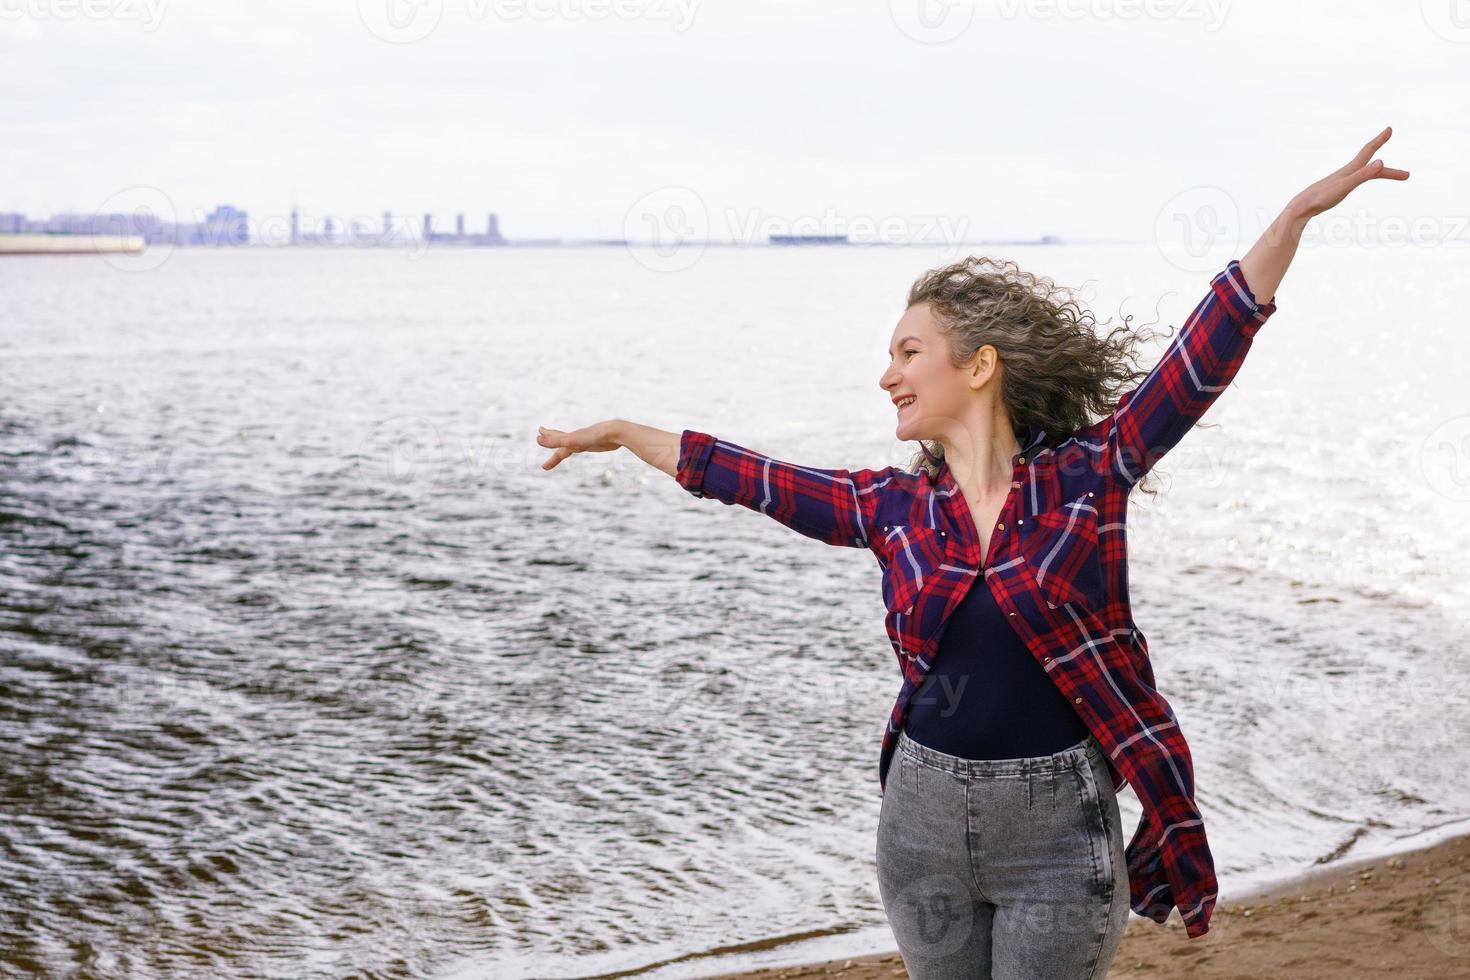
[983, 365]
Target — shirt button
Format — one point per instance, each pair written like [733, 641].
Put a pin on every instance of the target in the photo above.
[1020, 520]
[1089, 493]
[1012, 614]
[1023, 460]
[1046, 660]
[1076, 700]
[1015, 484]
[1001, 525]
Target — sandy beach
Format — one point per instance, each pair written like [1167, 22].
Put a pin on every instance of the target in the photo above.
[1406, 916]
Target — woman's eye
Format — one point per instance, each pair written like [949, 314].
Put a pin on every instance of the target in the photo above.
[910, 352]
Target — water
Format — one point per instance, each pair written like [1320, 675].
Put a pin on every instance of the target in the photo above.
[307, 668]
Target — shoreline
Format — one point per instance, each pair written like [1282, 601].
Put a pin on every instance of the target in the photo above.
[1404, 911]
[70, 244]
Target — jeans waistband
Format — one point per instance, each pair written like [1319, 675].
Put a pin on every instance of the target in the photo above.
[1080, 755]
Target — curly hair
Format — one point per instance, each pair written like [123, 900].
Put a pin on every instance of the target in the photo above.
[1058, 372]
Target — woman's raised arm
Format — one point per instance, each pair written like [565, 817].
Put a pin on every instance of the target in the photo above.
[1200, 363]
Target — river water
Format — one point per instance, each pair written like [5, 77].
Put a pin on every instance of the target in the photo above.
[307, 668]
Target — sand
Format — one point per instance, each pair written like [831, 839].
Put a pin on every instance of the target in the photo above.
[1402, 917]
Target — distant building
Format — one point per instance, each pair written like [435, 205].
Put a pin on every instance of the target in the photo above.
[225, 225]
[807, 239]
[460, 236]
[131, 224]
[492, 231]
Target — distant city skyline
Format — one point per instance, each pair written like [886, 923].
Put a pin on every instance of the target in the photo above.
[227, 225]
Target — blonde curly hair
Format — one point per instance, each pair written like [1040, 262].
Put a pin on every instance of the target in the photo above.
[1059, 373]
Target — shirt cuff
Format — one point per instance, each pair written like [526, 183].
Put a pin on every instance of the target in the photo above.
[694, 453]
[1230, 286]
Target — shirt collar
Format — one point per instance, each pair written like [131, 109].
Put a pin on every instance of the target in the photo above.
[1035, 436]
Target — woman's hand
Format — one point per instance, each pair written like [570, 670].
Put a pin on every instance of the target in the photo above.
[1264, 266]
[600, 437]
[1328, 192]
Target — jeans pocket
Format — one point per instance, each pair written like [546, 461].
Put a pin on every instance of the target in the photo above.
[908, 771]
[1096, 801]
[1115, 857]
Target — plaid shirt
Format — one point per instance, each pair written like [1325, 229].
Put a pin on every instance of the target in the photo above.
[1057, 567]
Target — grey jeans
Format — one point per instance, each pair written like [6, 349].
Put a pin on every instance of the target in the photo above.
[1010, 869]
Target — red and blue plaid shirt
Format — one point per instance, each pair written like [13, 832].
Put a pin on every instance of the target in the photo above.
[1057, 567]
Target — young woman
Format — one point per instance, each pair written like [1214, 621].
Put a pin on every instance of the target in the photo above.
[1028, 698]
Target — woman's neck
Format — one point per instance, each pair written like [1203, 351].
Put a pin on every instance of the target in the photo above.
[981, 461]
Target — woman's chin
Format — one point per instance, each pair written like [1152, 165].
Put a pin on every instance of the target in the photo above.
[908, 433]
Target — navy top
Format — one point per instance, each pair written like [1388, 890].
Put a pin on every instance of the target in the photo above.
[986, 697]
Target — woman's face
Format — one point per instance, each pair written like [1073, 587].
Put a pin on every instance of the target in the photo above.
[919, 366]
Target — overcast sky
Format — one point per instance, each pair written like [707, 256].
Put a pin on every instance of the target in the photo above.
[1005, 118]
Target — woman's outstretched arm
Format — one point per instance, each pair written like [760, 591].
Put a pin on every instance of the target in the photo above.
[836, 506]
[1264, 266]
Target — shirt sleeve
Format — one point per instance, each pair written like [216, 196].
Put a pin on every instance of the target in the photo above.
[835, 506]
[1197, 366]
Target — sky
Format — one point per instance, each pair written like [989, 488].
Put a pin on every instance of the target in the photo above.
[970, 118]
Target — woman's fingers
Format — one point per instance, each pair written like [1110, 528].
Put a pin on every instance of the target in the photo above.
[1366, 153]
[555, 437]
[551, 437]
[1376, 168]
[1375, 171]
[596, 438]
[1329, 191]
